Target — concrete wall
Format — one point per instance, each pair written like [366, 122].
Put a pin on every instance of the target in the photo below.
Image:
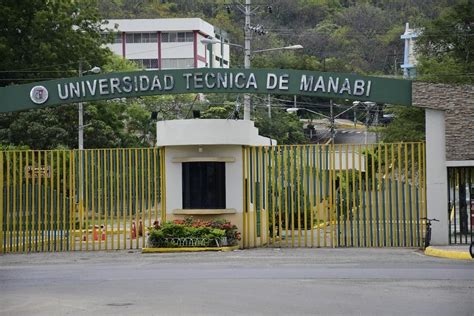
[436, 176]
[233, 182]
[209, 132]
[207, 140]
[233, 172]
[457, 101]
[449, 142]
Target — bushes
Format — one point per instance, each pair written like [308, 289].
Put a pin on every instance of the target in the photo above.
[190, 232]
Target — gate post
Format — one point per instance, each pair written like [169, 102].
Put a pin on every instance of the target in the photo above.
[436, 176]
[2, 237]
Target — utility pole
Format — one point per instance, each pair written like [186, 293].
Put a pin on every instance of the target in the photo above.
[355, 117]
[269, 107]
[247, 55]
[367, 120]
[81, 117]
[248, 29]
[332, 121]
[376, 122]
[81, 153]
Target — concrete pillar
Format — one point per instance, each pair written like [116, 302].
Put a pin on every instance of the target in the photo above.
[436, 176]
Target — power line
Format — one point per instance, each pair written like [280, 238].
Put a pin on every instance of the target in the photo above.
[39, 67]
[37, 71]
[26, 79]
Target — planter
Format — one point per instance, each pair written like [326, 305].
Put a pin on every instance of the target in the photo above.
[188, 249]
[190, 233]
[175, 242]
[222, 242]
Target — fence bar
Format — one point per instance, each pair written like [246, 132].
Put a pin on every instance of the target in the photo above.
[271, 183]
[385, 198]
[244, 196]
[2, 208]
[313, 194]
[261, 208]
[280, 172]
[267, 193]
[378, 181]
[149, 204]
[14, 213]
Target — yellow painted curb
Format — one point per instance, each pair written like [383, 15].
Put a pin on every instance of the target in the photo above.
[460, 255]
[188, 249]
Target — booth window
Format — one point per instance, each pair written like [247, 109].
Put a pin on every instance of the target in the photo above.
[204, 185]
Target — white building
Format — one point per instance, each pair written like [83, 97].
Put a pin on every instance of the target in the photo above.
[169, 43]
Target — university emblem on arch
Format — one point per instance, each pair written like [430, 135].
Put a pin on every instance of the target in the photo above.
[39, 94]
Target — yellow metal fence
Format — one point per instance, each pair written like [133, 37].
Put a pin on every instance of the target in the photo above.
[64, 200]
[294, 196]
[334, 195]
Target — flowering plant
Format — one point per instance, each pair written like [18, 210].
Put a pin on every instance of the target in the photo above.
[211, 230]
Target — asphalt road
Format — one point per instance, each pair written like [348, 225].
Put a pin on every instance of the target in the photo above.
[260, 282]
[354, 136]
[346, 135]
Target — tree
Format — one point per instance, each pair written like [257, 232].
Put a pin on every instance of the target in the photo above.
[284, 127]
[46, 39]
[132, 9]
[407, 126]
[42, 40]
[446, 45]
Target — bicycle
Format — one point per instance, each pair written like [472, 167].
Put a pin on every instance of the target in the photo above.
[428, 230]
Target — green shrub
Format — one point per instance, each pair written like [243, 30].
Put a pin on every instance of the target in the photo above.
[213, 231]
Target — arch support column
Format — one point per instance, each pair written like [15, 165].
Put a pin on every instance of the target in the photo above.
[436, 176]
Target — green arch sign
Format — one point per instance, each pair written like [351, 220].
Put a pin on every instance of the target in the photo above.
[204, 80]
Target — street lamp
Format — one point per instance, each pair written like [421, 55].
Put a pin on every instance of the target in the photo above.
[291, 47]
[216, 41]
[247, 62]
[94, 70]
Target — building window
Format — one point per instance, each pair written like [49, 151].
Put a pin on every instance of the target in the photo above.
[204, 185]
[141, 38]
[118, 38]
[146, 63]
[189, 37]
[177, 63]
[181, 37]
[115, 38]
[172, 37]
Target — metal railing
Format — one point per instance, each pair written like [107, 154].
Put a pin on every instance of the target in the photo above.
[461, 204]
[49, 205]
[334, 195]
[294, 196]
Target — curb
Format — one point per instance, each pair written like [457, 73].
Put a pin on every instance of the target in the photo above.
[188, 249]
[459, 255]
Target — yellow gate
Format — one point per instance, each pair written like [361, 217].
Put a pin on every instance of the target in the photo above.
[334, 195]
[64, 200]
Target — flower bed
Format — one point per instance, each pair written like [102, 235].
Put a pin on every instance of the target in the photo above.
[193, 233]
